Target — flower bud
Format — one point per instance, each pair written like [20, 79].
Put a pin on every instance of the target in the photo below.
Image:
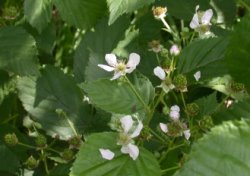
[165, 110]
[166, 64]
[180, 82]
[11, 139]
[75, 141]
[206, 122]
[174, 50]
[192, 109]
[31, 163]
[41, 141]
[67, 154]
[237, 87]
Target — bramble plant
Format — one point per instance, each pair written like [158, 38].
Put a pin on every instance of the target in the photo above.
[118, 88]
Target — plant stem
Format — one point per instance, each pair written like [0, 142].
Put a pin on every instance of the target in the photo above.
[45, 162]
[157, 136]
[170, 169]
[157, 57]
[137, 94]
[170, 149]
[166, 25]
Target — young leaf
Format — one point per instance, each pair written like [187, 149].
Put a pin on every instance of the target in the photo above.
[224, 151]
[119, 7]
[238, 54]
[112, 96]
[38, 13]
[81, 13]
[52, 91]
[89, 161]
[18, 52]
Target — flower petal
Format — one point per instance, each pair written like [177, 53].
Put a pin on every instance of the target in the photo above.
[106, 67]
[133, 61]
[111, 59]
[160, 73]
[130, 69]
[131, 149]
[195, 22]
[174, 115]
[164, 127]
[137, 130]
[116, 75]
[107, 154]
[197, 75]
[175, 108]
[205, 19]
[187, 134]
[127, 123]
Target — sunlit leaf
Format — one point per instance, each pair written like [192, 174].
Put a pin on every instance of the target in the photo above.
[89, 161]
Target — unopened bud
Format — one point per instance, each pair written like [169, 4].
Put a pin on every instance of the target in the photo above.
[180, 82]
[11, 139]
[68, 154]
[41, 141]
[31, 163]
[192, 109]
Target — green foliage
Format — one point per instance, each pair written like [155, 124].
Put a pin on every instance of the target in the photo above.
[38, 13]
[223, 151]
[89, 161]
[18, 51]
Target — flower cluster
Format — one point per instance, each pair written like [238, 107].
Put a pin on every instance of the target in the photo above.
[175, 127]
[129, 130]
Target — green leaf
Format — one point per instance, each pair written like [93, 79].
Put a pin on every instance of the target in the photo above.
[226, 12]
[18, 51]
[238, 110]
[183, 9]
[112, 96]
[38, 13]
[238, 54]
[52, 91]
[81, 13]
[94, 46]
[207, 104]
[89, 161]
[206, 55]
[119, 7]
[223, 151]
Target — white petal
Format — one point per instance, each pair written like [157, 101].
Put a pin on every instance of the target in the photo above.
[116, 75]
[111, 59]
[207, 16]
[174, 50]
[130, 69]
[160, 73]
[175, 108]
[137, 130]
[134, 60]
[187, 134]
[196, 8]
[107, 154]
[132, 150]
[164, 127]
[174, 115]
[197, 75]
[195, 21]
[106, 67]
[127, 123]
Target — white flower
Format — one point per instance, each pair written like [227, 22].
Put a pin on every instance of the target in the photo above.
[119, 67]
[187, 134]
[174, 50]
[201, 20]
[174, 112]
[197, 75]
[165, 85]
[129, 132]
[164, 127]
[107, 154]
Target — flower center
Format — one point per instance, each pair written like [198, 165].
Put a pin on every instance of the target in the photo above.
[124, 139]
[121, 67]
[158, 11]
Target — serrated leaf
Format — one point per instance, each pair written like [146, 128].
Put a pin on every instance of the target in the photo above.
[206, 55]
[81, 13]
[119, 7]
[238, 54]
[18, 51]
[43, 96]
[112, 96]
[94, 46]
[38, 13]
[90, 163]
[223, 151]
[207, 104]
